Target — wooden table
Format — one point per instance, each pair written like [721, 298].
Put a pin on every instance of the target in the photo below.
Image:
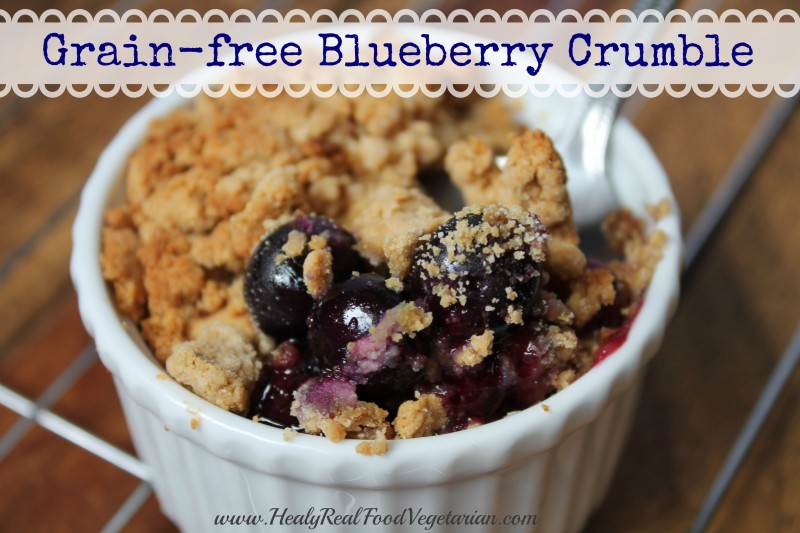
[738, 311]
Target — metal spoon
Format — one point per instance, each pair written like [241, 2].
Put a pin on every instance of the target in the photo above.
[585, 145]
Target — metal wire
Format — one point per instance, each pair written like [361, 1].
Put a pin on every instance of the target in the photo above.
[129, 508]
[75, 434]
[71, 374]
[743, 167]
[772, 390]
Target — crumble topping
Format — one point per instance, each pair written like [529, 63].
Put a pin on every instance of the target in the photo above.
[379, 446]
[219, 366]
[659, 210]
[295, 244]
[421, 417]
[124, 271]
[318, 271]
[477, 349]
[642, 250]
[589, 293]
[387, 221]
[407, 318]
[394, 284]
[332, 408]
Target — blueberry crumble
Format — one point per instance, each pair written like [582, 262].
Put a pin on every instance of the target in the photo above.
[282, 260]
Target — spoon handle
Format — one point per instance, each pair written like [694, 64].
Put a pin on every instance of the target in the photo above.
[600, 113]
[609, 104]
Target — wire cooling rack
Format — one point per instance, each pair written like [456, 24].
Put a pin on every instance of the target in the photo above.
[37, 411]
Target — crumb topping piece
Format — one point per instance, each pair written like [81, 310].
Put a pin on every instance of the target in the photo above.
[388, 219]
[394, 284]
[219, 366]
[122, 268]
[589, 293]
[406, 318]
[379, 446]
[660, 209]
[421, 417]
[478, 348]
[642, 251]
[318, 272]
[331, 407]
[295, 243]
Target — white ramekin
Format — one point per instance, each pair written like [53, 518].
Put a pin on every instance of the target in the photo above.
[556, 464]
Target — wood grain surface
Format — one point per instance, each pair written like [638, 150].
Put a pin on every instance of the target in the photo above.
[739, 308]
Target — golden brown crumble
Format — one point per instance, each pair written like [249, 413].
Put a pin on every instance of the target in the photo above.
[379, 446]
[565, 378]
[408, 318]
[219, 366]
[318, 272]
[477, 349]
[388, 219]
[421, 417]
[122, 268]
[394, 284]
[641, 250]
[563, 342]
[361, 421]
[295, 243]
[317, 242]
[589, 293]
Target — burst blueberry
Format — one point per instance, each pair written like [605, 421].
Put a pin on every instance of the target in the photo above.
[284, 373]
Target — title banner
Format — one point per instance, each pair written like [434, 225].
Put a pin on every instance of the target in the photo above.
[705, 52]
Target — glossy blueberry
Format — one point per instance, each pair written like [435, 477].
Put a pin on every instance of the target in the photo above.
[346, 314]
[274, 289]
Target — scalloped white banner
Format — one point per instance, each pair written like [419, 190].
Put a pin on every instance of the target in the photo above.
[515, 53]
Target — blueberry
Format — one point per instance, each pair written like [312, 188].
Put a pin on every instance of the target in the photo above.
[274, 289]
[520, 373]
[476, 396]
[271, 399]
[528, 350]
[345, 315]
[479, 270]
